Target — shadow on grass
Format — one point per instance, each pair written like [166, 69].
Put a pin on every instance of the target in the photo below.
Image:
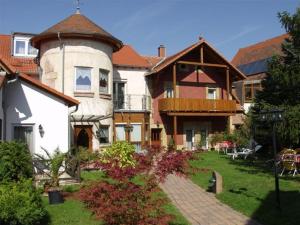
[269, 214]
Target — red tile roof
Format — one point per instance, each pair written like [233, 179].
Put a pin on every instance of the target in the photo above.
[70, 101]
[128, 57]
[153, 60]
[259, 51]
[80, 26]
[21, 64]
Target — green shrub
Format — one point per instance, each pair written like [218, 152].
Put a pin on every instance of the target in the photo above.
[21, 204]
[15, 161]
[121, 153]
[85, 155]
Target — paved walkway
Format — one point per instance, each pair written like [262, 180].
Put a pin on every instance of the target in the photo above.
[199, 206]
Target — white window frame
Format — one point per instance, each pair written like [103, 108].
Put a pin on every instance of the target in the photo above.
[27, 43]
[215, 93]
[24, 125]
[100, 73]
[75, 75]
[108, 133]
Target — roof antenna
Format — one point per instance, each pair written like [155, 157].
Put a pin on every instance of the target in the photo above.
[78, 7]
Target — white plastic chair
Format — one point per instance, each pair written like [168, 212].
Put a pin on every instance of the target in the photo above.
[246, 152]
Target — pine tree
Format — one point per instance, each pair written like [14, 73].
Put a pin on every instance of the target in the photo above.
[281, 87]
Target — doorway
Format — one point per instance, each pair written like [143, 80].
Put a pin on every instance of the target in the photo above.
[83, 136]
[156, 137]
[189, 138]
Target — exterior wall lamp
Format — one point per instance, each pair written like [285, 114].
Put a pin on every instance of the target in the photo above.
[41, 130]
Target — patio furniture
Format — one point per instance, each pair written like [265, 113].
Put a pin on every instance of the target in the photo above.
[245, 152]
[224, 146]
[290, 160]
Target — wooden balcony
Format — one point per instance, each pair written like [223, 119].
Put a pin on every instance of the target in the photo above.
[205, 107]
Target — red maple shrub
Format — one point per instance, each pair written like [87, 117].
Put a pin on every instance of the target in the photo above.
[125, 202]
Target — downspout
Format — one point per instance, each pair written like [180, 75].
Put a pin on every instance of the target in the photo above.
[69, 125]
[4, 105]
[62, 46]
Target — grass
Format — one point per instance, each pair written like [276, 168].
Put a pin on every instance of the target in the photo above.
[73, 211]
[249, 188]
[70, 212]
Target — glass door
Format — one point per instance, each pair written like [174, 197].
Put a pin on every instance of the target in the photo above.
[119, 95]
[189, 139]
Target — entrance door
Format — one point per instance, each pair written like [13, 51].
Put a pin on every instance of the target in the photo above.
[189, 136]
[83, 136]
[204, 139]
[156, 137]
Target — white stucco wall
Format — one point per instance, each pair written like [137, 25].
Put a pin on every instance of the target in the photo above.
[135, 84]
[83, 53]
[27, 104]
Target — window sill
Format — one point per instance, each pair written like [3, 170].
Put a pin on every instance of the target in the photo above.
[84, 94]
[105, 96]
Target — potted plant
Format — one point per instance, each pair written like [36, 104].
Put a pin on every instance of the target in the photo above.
[55, 168]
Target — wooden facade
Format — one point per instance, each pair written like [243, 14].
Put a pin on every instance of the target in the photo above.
[133, 118]
[189, 109]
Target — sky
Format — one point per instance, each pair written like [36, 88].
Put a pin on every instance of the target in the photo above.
[145, 24]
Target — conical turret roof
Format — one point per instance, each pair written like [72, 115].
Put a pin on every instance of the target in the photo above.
[77, 26]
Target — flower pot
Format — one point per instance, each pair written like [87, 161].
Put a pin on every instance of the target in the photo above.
[55, 197]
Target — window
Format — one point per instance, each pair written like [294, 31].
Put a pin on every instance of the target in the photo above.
[136, 136]
[250, 90]
[103, 81]
[22, 47]
[24, 133]
[211, 93]
[119, 95]
[103, 134]
[120, 132]
[169, 90]
[83, 79]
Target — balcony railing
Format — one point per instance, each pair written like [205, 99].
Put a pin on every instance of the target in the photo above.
[132, 102]
[196, 105]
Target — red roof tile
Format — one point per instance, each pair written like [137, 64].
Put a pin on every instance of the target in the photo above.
[259, 51]
[153, 60]
[77, 25]
[21, 64]
[70, 101]
[127, 56]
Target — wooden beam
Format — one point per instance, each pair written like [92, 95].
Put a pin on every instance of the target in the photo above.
[201, 54]
[202, 64]
[227, 83]
[199, 114]
[174, 80]
[175, 131]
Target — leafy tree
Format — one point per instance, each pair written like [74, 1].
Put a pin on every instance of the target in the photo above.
[281, 87]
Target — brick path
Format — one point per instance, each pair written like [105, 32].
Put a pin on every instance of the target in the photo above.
[199, 206]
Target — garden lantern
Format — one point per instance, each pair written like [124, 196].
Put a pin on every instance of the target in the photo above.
[273, 116]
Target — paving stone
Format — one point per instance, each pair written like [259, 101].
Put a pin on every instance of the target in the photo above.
[201, 207]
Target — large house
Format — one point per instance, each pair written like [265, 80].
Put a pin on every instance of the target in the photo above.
[118, 94]
[192, 97]
[253, 62]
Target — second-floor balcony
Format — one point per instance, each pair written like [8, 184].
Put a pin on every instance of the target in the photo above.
[132, 102]
[188, 105]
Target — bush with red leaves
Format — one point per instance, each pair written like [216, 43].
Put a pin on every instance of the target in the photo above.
[126, 203]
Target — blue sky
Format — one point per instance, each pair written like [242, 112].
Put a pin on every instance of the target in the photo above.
[145, 24]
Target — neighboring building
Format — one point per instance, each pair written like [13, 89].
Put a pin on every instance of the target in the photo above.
[253, 62]
[75, 57]
[132, 103]
[191, 96]
[33, 112]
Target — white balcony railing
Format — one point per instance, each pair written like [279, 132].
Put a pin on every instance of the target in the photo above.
[132, 102]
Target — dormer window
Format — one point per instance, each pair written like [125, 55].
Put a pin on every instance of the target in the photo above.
[23, 48]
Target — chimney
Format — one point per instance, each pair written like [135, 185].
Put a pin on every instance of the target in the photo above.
[162, 51]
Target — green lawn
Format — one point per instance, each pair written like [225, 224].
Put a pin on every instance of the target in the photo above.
[73, 211]
[249, 188]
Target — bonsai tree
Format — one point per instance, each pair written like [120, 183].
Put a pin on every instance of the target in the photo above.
[55, 163]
